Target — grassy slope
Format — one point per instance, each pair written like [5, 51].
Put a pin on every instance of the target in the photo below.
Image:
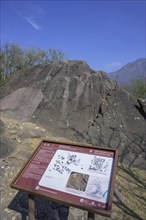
[130, 194]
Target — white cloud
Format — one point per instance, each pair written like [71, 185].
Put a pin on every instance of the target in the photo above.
[109, 67]
[33, 16]
[32, 23]
[114, 65]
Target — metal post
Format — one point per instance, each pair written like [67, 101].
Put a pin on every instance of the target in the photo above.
[91, 216]
[31, 207]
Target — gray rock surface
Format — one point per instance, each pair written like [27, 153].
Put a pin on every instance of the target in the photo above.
[2, 127]
[7, 145]
[44, 209]
[72, 101]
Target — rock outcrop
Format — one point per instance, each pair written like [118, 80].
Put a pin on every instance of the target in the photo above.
[73, 101]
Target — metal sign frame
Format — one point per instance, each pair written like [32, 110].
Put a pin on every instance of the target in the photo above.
[31, 174]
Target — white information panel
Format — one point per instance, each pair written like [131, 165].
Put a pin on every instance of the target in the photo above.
[81, 174]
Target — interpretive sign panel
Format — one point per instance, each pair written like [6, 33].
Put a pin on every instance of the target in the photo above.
[78, 175]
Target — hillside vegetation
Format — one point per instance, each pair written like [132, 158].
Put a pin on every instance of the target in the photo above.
[14, 58]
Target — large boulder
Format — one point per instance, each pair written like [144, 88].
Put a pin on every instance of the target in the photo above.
[7, 145]
[73, 101]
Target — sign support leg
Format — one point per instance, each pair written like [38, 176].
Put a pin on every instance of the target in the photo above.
[91, 216]
[31, 207]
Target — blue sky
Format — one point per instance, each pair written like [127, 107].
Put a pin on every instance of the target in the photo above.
[106, 34]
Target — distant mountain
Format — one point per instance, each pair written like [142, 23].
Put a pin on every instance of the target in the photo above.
[129, 72]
